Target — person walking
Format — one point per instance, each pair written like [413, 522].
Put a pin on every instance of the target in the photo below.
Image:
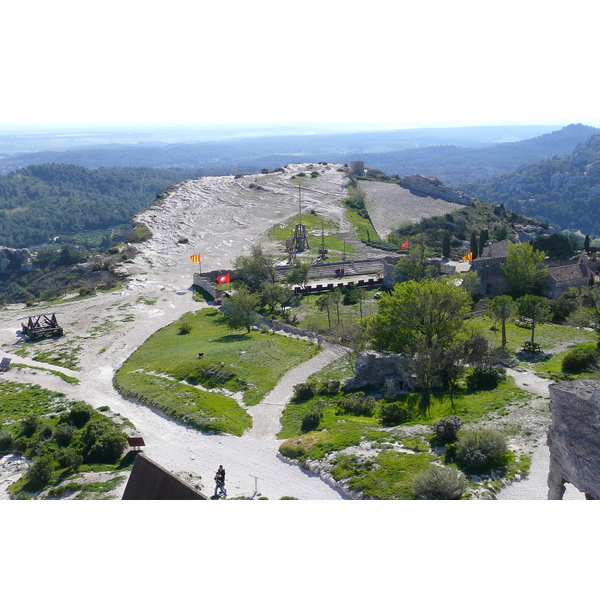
[220, 481]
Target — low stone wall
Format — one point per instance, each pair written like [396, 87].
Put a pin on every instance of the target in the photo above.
[207, 286]
[574, 438]
[286, 328]
[381, 370]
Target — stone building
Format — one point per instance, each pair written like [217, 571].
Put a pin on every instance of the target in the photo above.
[574, 438]
[489, 267]
[561, 278]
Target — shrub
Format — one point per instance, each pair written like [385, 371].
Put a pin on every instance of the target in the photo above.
[40, 470]
[446, 429]
[303, 392]
[440, 483]
[69, 458]
[583, 358]
[108, 447]
[29, 425]
[63, 434]
[80, 414]
[357, 404]
[487, 377]
[185, 328]
[312, 419]
[393, 413]
[330, 387]
[479, 449]
[6, 440]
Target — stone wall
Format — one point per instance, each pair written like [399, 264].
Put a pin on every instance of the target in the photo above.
[207, 286]
[381, 370]
[432, 186]
[574, 438]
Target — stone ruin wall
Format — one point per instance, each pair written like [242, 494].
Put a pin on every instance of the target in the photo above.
[574, 438]
[381, 370]
[12, 260]
[432, 186]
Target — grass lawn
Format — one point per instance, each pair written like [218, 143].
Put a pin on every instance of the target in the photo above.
[160, 372]
[18, 400]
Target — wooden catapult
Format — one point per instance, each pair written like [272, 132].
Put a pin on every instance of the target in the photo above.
[41, 325]
[299, 240]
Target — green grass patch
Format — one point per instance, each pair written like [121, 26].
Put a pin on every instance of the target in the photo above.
[363, 228]
[158, 373]
[63, 376]
[19, 400]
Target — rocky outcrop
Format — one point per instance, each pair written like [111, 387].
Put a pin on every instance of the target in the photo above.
[431, 186]
[574, 438]
[386, 371]
[12, 260]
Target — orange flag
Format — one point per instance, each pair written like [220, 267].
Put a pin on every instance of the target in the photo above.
[195, 258]
[468, 256]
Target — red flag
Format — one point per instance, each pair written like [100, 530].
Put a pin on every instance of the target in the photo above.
[224, 278]
[195, 258]
[405, 245]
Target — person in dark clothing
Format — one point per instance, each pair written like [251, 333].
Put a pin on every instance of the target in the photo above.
[220, 481]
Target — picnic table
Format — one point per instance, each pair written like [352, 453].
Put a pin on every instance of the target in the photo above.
[531, 347]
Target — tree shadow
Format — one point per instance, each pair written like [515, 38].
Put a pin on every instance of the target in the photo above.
[533, 357]
[232, 337]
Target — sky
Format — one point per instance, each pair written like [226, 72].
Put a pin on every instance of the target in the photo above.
[435, 63]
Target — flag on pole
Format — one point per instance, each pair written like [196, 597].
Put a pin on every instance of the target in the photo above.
[195, 258]
[468, 256]
[224, 278]
[405, 245]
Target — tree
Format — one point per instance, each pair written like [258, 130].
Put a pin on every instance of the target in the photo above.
[256, 270]
[524, 267]
[502, 308]
[336, 299]
[484, 236]
[239, 310]
[446, 245]
[555, 245]
[586, 243]
[324, 302]
[587, 313]
[359, 295]
[299, 274]
[474, 246]
[414, 266]
[421, 320]
[535, 308]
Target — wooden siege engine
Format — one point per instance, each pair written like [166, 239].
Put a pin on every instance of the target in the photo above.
[41, 325]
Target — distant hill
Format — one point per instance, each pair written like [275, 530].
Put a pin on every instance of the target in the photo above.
[564, 192]
[453, 164]
[254, 153]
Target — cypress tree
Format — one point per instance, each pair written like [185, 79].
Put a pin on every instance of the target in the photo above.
[446, 245]
[474, 246]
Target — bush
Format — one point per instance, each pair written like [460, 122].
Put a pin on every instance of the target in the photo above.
[303, 392]
[357, 404]
[63, 435]
[102, 442]
[446, 429]
[69, 458]
[479, 449]
[6, 440]
[487, 377]
[583, 358]
[29, 425]
[440, 483]
[185, 328]
[330, 387]
[393, 413]
[80, 414]
[40, 470]
[312, 419]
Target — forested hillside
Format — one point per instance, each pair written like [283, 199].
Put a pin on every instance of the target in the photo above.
[41, 202]
[564, 192]
[453, 164]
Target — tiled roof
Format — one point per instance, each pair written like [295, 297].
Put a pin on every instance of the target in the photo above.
[569, 272]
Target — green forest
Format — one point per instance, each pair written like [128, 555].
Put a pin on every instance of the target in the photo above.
[41, 202]
[563, 192]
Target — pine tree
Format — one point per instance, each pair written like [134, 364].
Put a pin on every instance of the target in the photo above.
[446, 245]
[474, 246]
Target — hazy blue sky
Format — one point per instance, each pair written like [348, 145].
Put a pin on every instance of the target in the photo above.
[437, 62]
